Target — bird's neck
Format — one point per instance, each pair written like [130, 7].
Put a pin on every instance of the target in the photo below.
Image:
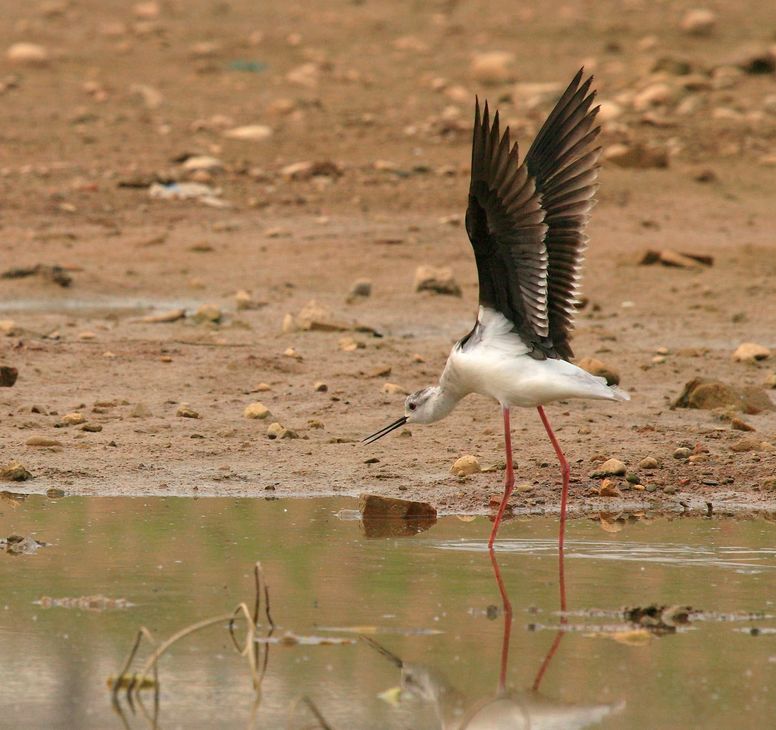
[444, 399]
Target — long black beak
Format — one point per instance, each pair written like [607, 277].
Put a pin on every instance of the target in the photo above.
[379, 434]
[389, 655]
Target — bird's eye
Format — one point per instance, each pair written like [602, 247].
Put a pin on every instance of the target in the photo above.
[413, 406]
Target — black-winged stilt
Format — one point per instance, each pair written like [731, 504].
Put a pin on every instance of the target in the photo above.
[526, 222]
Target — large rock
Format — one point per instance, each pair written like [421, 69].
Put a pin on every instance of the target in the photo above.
[388, 516]
[708, 394]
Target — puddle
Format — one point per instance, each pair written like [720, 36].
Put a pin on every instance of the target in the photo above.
[383, 632]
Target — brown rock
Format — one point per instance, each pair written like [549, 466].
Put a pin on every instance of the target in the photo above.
[387, 516]
[708, 394]
[653, 95]
[14, 472]
[278, 431]
[27, 54]
[208, 313]
[609, 488]
[597, 367]
[493, 67]
[439, 280]
[73, 419]
[466, 465]
[394, 389]
[308, 169]
[698, 22]
[8, 376]
[249, 133]
[42, 441]
[256, 410]
[636, 156]
[750, 444]
[751, 351]
[738, 424]
[610, 468]
[186, 411]
[669, 257]
[648, 462]
[162, 317]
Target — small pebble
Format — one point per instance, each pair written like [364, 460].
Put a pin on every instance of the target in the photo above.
[186, 411]
[394, 389]
[243, 300]
[611, 467]
[249, 133]
[609, 489]
[42, 441]
[208, 313]
[360, 288]
[256, 410]
[493, 67]
[751, 351]
[698, 22]
[682, 453]
[465, 465]
[73, 419]
[27, 54]
[648, 462]
[738, 424]
[320, 387]
[437, 280]
[276, 431]
[91, 427]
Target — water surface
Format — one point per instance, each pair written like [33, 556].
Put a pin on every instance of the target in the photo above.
[430, 603]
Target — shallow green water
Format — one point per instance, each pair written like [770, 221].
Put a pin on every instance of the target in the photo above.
[431, 600]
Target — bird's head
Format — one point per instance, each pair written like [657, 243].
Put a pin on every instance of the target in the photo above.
[419, 407]
[423, 406]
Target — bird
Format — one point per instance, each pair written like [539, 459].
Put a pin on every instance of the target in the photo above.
[526, 223]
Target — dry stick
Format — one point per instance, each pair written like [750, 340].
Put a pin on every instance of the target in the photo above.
[142, 631]
[304, 699]
[177, 636]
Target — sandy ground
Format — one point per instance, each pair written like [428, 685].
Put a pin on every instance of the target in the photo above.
[385, 94]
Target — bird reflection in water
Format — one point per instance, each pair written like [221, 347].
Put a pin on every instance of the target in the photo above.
[506, 710]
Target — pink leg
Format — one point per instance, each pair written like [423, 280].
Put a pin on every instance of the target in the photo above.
[502, 676]
[564, 469]
[509, 479]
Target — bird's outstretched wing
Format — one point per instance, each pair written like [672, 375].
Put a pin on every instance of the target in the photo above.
[564, 163]
[526, 221]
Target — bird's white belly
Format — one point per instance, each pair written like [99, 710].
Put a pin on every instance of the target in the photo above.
[495, 362]
[521, 380]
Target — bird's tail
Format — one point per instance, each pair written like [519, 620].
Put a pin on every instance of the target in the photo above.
[618, 393]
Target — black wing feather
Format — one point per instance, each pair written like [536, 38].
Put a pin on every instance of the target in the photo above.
[526, 221]
[565, 168]
[505, 223]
